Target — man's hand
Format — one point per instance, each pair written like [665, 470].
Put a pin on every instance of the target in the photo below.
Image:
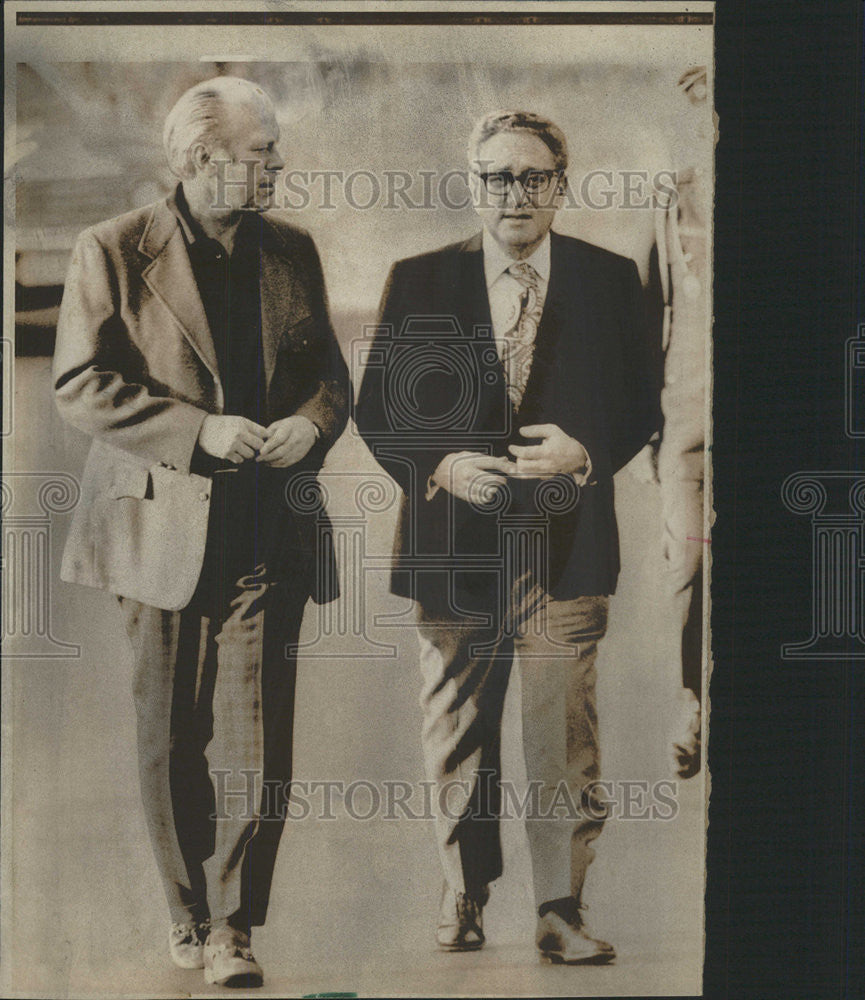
[288, 441]
[468, 476]
[231, 438]
[557, 453]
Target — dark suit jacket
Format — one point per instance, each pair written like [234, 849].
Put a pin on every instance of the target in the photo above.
[434, 385]
[135, 367]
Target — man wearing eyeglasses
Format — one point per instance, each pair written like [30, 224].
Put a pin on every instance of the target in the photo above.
[510, 379]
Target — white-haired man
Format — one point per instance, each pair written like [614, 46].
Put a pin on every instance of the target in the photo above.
[194, 345]
[509, 381]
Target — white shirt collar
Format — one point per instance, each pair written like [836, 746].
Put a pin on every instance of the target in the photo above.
[496, 261]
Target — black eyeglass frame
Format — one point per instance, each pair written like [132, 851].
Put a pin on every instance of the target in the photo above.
[549, 176]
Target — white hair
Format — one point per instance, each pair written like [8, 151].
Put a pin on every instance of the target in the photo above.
[199, 114]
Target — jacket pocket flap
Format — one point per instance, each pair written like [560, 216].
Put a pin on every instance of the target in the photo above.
[130, 481]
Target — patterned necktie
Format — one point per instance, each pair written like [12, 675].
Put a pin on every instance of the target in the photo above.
[519, 342]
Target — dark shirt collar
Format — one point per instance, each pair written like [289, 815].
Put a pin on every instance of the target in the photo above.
[192, 230]
[180, 209]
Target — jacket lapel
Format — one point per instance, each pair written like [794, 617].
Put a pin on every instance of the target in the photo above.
[563, 316]
[284, 298]
[169, 276]
[566, 289]
[477, 324]
[474, 301]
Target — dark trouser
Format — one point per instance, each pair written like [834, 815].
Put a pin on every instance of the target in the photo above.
[465, 672]
[692, 636]
[214, 697]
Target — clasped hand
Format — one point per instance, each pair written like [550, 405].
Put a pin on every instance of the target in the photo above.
[471, 475]
[474, 477]
[557, 454]
[237, 439]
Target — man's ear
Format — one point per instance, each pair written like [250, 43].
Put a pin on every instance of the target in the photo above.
[199, 156]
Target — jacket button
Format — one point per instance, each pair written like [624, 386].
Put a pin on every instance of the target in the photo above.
[203, 496]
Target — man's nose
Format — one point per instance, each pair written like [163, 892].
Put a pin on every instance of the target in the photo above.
[275, 162]
[517, 197]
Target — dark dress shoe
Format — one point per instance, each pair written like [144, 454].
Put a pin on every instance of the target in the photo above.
[461, 920]
[563, 939]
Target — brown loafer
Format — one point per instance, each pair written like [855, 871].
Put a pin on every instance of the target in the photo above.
[461, 916]
[567, 942]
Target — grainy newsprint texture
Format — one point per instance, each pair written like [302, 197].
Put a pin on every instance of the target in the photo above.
[356, 498]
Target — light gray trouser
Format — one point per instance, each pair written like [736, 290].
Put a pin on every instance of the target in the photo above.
[465, 675]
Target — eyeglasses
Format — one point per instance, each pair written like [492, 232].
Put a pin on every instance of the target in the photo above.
[531, 181]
